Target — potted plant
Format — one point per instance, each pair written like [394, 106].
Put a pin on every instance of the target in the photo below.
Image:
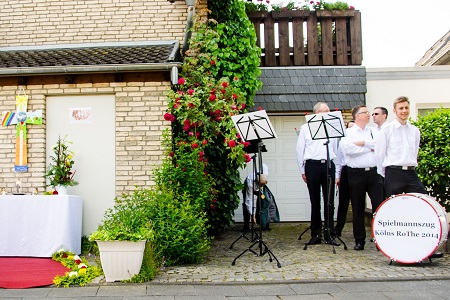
[60, 174]
[122, 235]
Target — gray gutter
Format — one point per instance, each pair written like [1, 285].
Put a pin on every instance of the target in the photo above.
[189, 24]
[59, 70]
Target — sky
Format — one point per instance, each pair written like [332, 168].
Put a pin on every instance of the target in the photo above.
[397, 33]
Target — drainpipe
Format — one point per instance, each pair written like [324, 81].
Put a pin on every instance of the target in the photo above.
[189, 24]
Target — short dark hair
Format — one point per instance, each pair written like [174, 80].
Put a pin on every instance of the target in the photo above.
[384, 111]
[356, 109]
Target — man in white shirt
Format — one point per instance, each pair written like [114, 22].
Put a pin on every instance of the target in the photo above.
[358, 148]
[312, 161]
[379, 116]
[397, 147]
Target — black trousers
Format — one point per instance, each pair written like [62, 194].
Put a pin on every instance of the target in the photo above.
[399, 181]
[316, 180]
[362, 182]
[344, 201]
[246, 217]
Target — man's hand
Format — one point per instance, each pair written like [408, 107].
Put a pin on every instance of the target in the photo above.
[304, 177]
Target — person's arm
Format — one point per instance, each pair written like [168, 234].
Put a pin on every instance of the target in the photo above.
[380, 150]
[353, 147]
[300, 150]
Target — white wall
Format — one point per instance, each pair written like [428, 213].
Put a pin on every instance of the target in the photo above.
[426, 87]
[94, 144]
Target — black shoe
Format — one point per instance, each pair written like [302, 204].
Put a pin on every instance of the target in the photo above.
[359, 246]
[314, 241]
[333, 242]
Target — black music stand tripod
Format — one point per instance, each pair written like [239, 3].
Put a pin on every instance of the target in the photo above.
[256, 126]
[326, 126]
[254, 234]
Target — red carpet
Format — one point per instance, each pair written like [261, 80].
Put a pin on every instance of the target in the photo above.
[26, 272]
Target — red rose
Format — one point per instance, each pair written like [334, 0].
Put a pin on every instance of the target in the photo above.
[181, 81]
[213, 62]
[190, 92]
[212, 97]
[247, 158]
[231, 144]
[204, 142]
[172, 154]
[225, 84]
[194, 145]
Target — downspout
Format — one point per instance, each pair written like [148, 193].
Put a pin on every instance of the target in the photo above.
[189, 24]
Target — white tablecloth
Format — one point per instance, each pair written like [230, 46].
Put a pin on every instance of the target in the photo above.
[40, 225]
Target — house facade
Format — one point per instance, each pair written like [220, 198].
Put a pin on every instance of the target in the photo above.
[113, 59]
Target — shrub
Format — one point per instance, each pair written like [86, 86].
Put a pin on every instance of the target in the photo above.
[180, 229]
[434, 154]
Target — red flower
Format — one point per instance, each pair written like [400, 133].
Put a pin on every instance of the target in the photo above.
[197, 134]
[259, 108]
[186, 127]
[243, 106]
[213, 62]
[223, 91]
[233, 107]
[213, 207]
[175, 106]
[246, 144]
[194, 146]
[234, 96]
[169, 117]
[172, 154]
[181, 81]
[191, 105]
[77, 261]
[190, 133]
[204, 142]
[247, 158]
[190, 91]
[225, 84]
[231, 144]
[212, 97]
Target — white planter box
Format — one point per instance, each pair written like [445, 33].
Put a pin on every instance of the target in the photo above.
[121, 259]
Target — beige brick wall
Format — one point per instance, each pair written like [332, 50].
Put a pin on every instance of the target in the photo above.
[140, 105]
[39, 22]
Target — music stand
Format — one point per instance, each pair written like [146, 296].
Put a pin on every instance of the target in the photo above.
[251, 149]
[256, 126]
[327, 126]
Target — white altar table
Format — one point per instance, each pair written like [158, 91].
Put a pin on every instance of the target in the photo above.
[38, 226]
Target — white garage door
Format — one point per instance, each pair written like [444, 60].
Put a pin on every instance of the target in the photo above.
[285, 181]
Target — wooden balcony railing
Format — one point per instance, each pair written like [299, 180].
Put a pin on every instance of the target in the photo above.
[308, 38]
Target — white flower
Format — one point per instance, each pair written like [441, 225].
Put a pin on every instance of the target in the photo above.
[73, 274]
[76, 257]
[81, 266]
[61, 250]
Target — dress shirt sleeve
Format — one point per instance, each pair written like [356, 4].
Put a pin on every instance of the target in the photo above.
[381, 144]
[336, 160]
[300, 149]
[249, 195]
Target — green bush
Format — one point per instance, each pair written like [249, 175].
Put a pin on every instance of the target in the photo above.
[180, 229]
[434, 154]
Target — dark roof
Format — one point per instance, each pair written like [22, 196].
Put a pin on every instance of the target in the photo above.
[300, 88]
[81, 58]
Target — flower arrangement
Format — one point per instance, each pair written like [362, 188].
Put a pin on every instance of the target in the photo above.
[60, 169]
[263, 5]
[81, 273]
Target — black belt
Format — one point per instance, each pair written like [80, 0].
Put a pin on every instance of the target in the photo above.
[320, 161]
[363, 169]
[405, 168]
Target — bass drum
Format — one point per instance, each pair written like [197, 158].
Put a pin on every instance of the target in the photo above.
[408, 228]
